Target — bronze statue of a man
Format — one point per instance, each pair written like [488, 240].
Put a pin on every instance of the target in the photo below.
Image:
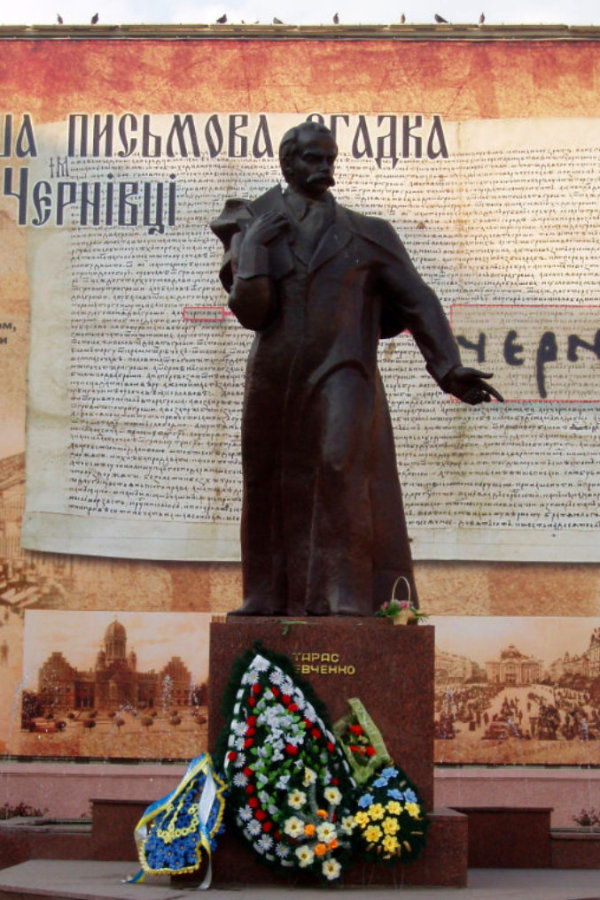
[323, 529]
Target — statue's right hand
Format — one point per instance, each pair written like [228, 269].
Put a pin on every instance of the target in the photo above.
[265, 228]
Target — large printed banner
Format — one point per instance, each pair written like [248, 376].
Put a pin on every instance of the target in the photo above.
[115, 153]
[136, 366]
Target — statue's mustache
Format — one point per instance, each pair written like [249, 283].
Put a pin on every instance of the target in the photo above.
[320, 177]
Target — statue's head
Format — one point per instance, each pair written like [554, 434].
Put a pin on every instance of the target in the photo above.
[307, 155]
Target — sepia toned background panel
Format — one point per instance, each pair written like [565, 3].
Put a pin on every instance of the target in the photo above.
[520, 691]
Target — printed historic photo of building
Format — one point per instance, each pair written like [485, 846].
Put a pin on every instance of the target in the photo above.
[122, 685]
[524, 691]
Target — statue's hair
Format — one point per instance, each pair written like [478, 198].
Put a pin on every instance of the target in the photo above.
[289, 142]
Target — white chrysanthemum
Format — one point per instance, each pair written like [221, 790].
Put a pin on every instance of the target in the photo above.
[265, 842]
[239, 728]
[253, 828]
[305, 856]
[272, 809]
[260, 664]
[282, 851]
[333, 795]
[326, 832]
[297, 799]
[245, 813]
[331, 869]
[309, 777]
[241, 760]
[276, 677]
[282, 782]
[311, 713]
[240, 780]
[263, 796]
[293, 826]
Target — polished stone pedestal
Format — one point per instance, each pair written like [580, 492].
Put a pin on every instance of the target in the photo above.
[390, 669]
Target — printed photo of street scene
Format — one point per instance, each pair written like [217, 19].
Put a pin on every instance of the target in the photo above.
[113, 685]
[514, 691]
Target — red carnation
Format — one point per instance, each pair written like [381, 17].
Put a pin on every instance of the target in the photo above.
[250, 732]
[275, 691]
[248, 743]
[330, 746]
[285, 699]
[277, 835]
[253, 802]
[356, 729]
[232, 756]
[335, 781]
[251, 701]
[370, 751]
[256, 688]
[249, 788]
[289, 748]
[267, 826]
[316, 734]
[260, 814]
[308, 723]
[293, 707]
[248, 772]
[251, 721]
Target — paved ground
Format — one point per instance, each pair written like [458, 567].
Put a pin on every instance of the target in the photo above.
[90, 880]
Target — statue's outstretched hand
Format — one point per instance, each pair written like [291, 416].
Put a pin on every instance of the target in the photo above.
[469, 386]
[264, 229]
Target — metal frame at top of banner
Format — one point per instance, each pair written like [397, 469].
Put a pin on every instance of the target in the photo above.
[471, 32]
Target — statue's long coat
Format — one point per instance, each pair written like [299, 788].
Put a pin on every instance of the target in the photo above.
[323, 527]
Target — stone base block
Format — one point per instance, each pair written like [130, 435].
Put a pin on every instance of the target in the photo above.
[503, 837]
[390, 668]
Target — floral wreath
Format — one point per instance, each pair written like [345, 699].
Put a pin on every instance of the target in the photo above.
[290, 788]
[291, 793]
[173, 831]
[390, 822]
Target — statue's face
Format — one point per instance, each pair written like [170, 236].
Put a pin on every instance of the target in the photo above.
[311, 169]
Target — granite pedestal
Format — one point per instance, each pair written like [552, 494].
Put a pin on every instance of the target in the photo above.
[391, 670]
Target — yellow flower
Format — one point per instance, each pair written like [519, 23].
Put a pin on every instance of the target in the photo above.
[361, 818]
[390, 843]
[297, 799]
[326, 832]
[332, 795]
[293, 826]
[393, 807]
[390, 826]
[331, 869]
[372, 834]
[413, 810]
[376, 811]
[348, 824]
[305, 856]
